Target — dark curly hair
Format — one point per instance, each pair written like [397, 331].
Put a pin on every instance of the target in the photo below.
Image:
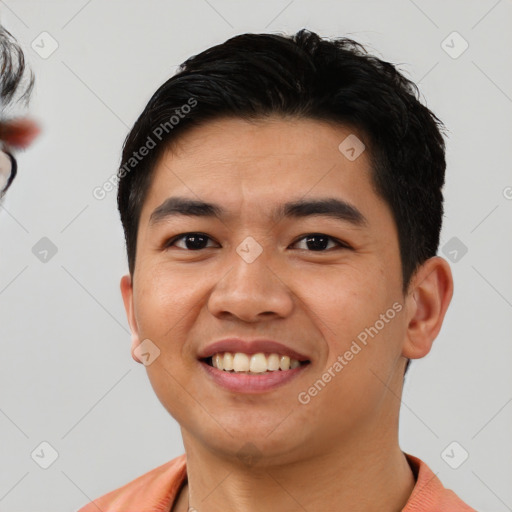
[16, 85]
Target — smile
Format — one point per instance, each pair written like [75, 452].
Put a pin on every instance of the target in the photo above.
[252, 373]
[239, 362]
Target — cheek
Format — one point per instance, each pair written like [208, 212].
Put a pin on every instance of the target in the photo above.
[346, 297]
[362, 348]
[163, 299]
[166, 304]
[354, 312]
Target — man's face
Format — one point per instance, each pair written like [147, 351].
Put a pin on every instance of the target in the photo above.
[258, 277]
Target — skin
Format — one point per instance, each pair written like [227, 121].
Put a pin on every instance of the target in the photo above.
[314, 301]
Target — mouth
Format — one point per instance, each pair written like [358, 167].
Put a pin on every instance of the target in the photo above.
[252, 373]
[253, 364]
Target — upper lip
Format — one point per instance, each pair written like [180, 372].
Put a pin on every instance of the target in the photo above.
[250, 347]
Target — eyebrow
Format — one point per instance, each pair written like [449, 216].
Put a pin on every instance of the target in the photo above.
[330, 207]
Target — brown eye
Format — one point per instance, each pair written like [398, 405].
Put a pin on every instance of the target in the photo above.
[193, 241]
[318, 242]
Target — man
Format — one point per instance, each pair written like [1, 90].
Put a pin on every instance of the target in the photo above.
[281, 199]
[16, 85]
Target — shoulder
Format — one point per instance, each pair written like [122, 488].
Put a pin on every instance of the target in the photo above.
[429, 494]
[153, 491]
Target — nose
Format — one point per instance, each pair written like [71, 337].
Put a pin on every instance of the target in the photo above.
[251, 292]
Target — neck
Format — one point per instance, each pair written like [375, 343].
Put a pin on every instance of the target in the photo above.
[356, 476]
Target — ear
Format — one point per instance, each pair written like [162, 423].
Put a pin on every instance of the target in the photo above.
[428, 298]
[127, 293]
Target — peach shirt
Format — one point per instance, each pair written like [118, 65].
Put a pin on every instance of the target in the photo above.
[157, 490]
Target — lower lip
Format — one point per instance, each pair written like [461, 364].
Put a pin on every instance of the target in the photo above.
[252, 383]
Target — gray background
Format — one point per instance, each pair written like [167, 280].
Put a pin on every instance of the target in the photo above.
[67, 376]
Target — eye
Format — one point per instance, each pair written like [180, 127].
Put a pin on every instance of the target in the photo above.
[193, 241]
[318, 242]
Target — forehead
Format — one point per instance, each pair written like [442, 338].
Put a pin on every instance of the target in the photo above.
[253, 166]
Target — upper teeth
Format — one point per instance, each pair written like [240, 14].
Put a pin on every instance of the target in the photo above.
[255, 363]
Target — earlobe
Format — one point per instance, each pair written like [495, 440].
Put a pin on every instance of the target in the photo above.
[127, 293]
[134, 345]
[428, 299]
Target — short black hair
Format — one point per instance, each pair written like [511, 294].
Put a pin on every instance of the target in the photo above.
[253, 76]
